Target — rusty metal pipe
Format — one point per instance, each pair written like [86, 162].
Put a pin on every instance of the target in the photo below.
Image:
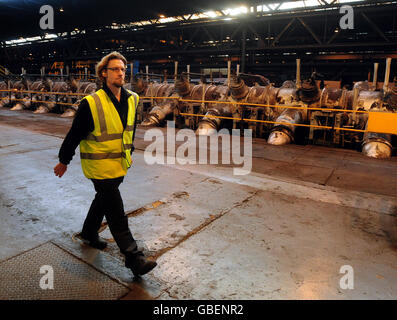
[307, 93]
[183, 87]
[284, 134]
[4, 85]
[23, 84]
[72, 85]
[238, 88]
[378, 145]
[208, 125]
[160, 111]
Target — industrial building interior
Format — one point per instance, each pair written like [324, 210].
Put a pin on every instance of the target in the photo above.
[276, 174]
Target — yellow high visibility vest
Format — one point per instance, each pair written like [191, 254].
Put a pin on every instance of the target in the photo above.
[106, 152]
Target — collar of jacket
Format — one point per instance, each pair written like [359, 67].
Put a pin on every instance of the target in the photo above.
[124, 93]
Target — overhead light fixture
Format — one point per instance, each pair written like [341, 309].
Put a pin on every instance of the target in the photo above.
[61, 10]
[211, 14]
[235, 11]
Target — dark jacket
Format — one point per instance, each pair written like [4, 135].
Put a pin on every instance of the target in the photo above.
[83, 124]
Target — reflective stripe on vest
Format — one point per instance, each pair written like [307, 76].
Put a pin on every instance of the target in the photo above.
[99, 140]
[102, 123]
[101, 156]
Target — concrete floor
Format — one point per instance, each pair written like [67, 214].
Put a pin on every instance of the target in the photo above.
[281, 232]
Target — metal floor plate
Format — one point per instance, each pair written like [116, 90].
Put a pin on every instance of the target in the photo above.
[72, 279]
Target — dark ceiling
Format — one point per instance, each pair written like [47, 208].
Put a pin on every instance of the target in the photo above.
[21, 17]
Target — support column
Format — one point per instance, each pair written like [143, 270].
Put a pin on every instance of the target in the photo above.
[243, 49]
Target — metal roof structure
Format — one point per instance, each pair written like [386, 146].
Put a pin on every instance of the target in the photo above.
[265, 36]
[20, 18]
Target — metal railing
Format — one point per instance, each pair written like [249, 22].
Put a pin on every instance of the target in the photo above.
[243, 104]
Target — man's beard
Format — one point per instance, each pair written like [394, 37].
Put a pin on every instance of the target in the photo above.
[117, 84]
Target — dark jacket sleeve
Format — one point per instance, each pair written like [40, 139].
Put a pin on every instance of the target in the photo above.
[135, 123]
[82, 125]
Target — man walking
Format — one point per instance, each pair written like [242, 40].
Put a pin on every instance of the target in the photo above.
[104, 126]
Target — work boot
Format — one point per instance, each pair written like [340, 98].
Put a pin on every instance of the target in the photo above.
[96, 243]
[138, 264]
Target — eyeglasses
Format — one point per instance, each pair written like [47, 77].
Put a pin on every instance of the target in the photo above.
[117, 69]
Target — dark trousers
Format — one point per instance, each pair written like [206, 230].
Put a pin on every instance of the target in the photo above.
[108, 203]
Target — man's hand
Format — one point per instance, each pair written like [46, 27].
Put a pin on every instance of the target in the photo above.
[60, 169]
